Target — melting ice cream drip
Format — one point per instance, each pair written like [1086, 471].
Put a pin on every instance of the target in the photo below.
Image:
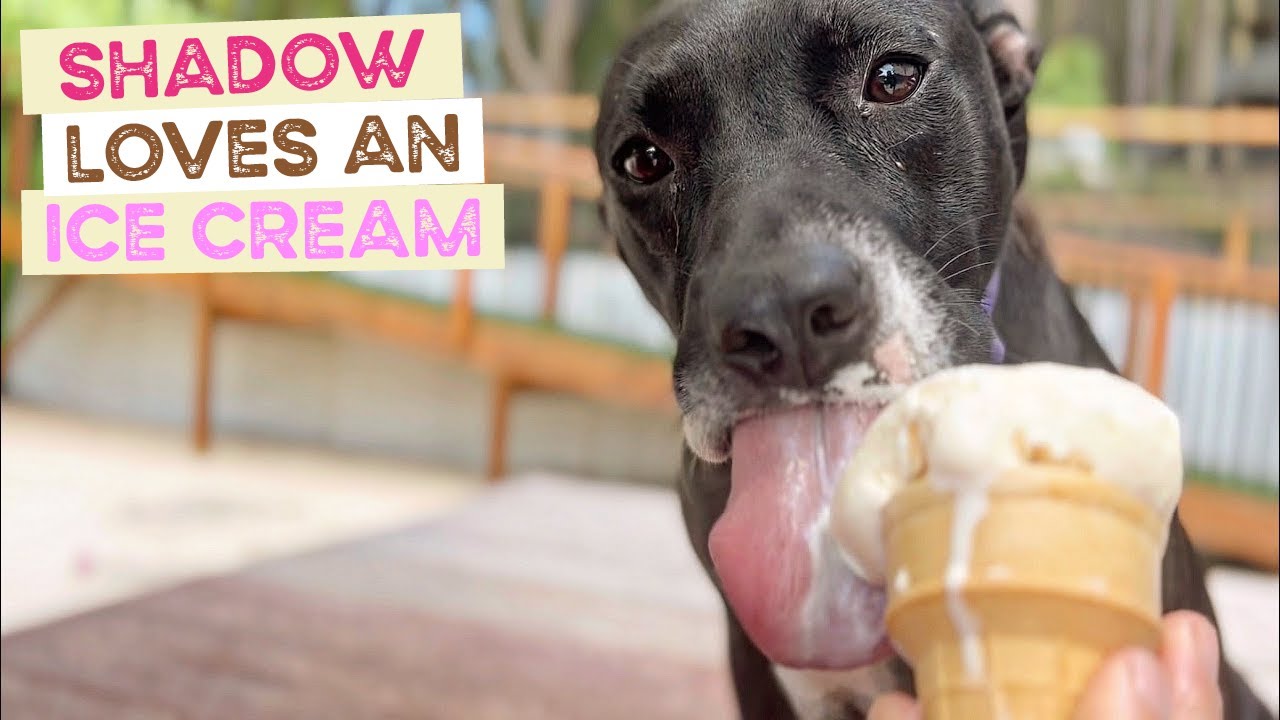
[969, 506]
[816, 535]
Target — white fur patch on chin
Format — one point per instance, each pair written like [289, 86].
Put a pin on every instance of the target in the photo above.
[703, 438]
[857, 383]
[824, 695]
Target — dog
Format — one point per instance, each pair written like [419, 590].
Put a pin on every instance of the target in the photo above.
[819, 198]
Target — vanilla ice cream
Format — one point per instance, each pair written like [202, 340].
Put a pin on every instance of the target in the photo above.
[961, 428]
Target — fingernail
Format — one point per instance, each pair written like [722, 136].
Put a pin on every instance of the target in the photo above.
[1147, 685]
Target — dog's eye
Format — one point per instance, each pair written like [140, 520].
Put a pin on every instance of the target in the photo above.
[894, 80]
[642, 162]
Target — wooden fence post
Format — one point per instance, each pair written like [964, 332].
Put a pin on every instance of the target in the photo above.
[21, 146]
[554, 213]
[206, 320]
[1235, 241]
[1137, 314]
[462, 312]
[503, 391]
[1164, 293]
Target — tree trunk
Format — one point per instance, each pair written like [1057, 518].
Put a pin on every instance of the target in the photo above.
[1240, 50]
[1162, 45]
[1137, 60]
[549, 68]
[1137, 52]
[1203, 72]
[559, 30]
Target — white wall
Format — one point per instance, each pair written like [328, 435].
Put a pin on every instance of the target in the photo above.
[126, 355]
[1222, 377]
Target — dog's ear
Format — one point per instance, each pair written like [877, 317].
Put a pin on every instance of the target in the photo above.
[1014, 55]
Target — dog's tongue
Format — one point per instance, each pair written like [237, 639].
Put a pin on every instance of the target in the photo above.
[798, 602]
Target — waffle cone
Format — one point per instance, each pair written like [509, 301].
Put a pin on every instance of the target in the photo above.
[1063, 570]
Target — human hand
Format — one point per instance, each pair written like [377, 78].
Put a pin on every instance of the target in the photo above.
[1181, 683]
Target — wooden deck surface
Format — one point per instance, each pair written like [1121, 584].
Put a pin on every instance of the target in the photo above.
[544, 599]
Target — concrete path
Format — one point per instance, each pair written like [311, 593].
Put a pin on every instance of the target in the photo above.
[94, 512]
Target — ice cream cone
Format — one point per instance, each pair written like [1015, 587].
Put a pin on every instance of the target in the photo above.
[1006, 598]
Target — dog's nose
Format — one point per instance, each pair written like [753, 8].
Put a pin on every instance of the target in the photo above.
[793, 320]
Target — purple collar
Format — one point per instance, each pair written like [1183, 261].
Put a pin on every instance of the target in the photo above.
[989, 307]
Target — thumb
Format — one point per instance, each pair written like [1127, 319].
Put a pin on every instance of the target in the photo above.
[1130, 685]
[895, 706]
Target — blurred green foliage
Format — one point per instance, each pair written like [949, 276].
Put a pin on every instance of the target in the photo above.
[19, 15]
[1072, 74]
[605, 26]
[8, 276]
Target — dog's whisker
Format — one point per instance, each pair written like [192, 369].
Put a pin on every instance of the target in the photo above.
[964, 252]
[975, 266]
[948, 233]
[967, 294]
[967, 326]
[912, 136]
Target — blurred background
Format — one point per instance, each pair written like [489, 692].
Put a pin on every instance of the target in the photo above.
[223, 469]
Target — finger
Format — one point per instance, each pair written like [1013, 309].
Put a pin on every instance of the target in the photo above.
[1190, 656]
[1130, 685]
[895, 706]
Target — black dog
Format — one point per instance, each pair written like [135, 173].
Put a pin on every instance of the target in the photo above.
[818, 197]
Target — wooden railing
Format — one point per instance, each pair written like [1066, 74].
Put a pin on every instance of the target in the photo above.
[1249, 127]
